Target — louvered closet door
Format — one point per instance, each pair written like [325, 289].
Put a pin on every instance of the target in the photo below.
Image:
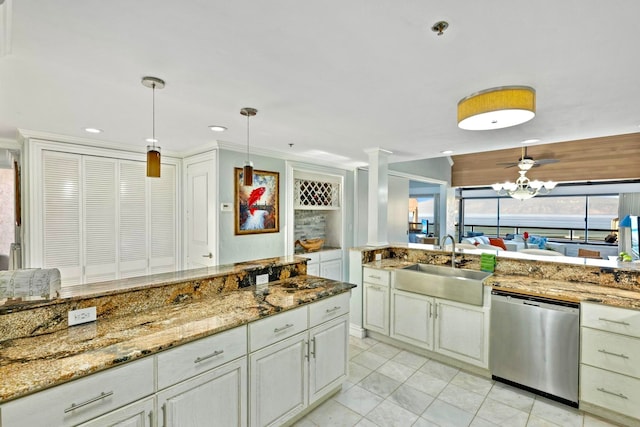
[61, 213]
[163, 221]
[99, 190]
[133, 219]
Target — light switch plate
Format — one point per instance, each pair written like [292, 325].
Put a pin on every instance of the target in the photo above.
[226, 207]
[84, 315]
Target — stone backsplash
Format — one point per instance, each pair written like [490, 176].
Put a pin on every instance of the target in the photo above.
[310, 224]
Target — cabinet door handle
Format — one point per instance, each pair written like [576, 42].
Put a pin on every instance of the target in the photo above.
[430, 310]
[331, 310]
[87, 402]
[287, 326]
[620, 395]
[624, 356]
[436, 310]
[208, 356]
[313, 352]
[306, 353]
[619, 322]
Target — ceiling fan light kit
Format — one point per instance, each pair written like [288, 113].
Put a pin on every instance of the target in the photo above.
[524, 188]
[497, 108]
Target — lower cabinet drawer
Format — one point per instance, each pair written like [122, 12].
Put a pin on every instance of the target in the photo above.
[613, 319]
[191, 359]
[609, 390]
[272, 329]
[83, 399]
[328, 309]
[612, 352]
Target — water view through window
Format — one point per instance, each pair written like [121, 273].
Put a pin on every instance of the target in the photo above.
[562, 218]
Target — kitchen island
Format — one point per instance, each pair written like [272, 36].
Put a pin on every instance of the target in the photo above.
[168, 313]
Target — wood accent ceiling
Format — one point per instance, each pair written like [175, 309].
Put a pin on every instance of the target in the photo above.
[595, 159]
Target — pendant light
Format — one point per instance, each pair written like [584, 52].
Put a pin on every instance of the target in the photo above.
[247, 170]
[153, 151]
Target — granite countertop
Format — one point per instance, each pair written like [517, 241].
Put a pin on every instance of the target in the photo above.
[30, 364]
[568, 290]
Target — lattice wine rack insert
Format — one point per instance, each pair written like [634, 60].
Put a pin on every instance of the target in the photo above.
[316, 193]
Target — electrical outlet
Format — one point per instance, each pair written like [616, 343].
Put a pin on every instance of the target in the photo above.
[378, 257]
[84, 315]
[262, 283]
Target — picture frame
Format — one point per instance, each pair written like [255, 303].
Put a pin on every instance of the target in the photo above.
[257, 206]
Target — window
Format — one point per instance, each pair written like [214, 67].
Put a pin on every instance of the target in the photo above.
[579, 218]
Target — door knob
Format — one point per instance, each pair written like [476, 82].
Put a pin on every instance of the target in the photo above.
[208, 256]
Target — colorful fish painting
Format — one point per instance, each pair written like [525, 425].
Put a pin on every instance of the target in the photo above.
[254, 197]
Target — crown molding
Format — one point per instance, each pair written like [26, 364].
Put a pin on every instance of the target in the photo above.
[49, 136]
[6, 20]
[223, 145]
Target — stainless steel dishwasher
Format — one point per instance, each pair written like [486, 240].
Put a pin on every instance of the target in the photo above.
[535, 344]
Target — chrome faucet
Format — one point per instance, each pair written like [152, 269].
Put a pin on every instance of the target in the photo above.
[453, 248]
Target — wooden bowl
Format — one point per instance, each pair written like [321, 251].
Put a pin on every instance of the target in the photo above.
[310, 245]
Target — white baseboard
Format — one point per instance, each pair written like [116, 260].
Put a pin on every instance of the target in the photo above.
[357, 331]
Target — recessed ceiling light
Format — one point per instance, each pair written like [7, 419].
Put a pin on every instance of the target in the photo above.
[447, 152]
[531, 141]
[217, 128]
[93, 130]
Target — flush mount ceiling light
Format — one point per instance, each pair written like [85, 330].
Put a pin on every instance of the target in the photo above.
[497, 108]
[524, 188]
[217, 128]
[93, 130]
[153, 151]
[247, 170]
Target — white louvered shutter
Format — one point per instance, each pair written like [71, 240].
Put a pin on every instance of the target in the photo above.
[61, 213]
[163, 221]
[133, 219]
[100, 233]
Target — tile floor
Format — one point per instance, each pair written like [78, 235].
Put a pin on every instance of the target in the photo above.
[388, 386]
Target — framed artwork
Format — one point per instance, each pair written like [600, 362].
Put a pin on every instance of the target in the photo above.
[256, 206]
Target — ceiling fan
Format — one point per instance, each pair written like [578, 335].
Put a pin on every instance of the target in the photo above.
[526, 162]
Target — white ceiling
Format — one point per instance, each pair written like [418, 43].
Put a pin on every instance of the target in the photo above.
[332, 77]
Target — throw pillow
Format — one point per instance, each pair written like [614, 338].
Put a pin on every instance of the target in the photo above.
[497, 241]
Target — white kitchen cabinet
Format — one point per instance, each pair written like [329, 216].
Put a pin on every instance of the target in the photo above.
[328, 356]
[83, 399]
[277, 385]
[217, 397]
[327, 264]
[375, 291]
[412, 318]
[289, 372]
[610, 358]
[138, 414]
[462, 332]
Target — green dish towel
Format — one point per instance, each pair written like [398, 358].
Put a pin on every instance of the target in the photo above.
[488, 262]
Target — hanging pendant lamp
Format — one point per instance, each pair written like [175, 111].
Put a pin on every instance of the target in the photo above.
[247, 170]
[497, 108]
[153, 151]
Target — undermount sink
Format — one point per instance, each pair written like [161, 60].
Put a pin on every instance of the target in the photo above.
[456, 284]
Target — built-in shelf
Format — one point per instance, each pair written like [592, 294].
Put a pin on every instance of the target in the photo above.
[316, 195]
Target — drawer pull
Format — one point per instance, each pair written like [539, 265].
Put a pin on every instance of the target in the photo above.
[612, 393]
[624, 356]
[208, 356]
[619, 322]
[373, 288]
[287, 326]
[331, 310]
[87, 402]
[375, 277]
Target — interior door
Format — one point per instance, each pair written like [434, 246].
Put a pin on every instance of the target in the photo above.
[398, 210]
[201, 226]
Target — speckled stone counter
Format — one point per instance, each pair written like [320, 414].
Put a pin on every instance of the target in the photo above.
[34, 361]
[612, 284]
